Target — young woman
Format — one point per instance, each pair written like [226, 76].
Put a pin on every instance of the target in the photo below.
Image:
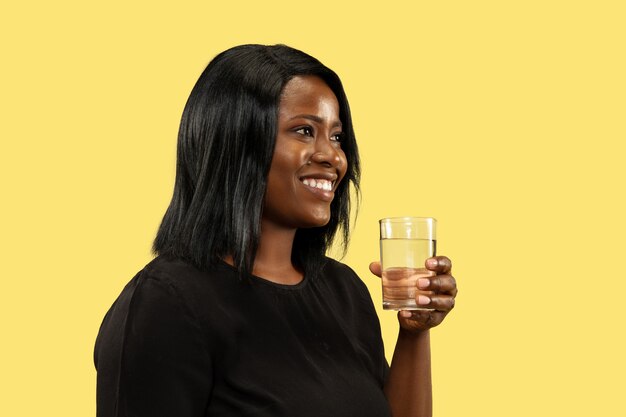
[241, 313]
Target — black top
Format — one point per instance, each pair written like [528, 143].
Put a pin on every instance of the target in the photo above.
[182, 342]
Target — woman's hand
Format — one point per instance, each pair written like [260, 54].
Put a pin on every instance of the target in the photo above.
[443, 288]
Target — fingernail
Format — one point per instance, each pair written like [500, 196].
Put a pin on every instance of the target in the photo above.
[423, 300]
[432, 262]
[423, 283]
[406, 314]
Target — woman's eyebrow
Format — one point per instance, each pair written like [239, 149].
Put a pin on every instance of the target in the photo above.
[315, 118]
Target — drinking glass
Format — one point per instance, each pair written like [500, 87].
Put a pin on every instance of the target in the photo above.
[405, 244]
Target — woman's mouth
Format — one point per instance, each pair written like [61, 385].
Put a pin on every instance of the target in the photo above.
[318, 183]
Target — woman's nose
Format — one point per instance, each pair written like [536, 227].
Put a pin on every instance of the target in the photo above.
[327, 152]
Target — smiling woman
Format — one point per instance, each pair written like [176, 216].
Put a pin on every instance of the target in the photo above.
[227, 141]
[241, 312]
[307, 166]
[308, 151]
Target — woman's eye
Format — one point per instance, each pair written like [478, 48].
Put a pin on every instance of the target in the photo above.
[337, 137]
[307, 131]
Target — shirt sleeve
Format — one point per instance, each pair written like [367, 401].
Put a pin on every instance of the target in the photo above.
[151, 356]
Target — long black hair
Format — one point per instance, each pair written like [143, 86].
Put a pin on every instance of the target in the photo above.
[225, 146]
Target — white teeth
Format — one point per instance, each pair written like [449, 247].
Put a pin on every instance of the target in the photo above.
[320, 184]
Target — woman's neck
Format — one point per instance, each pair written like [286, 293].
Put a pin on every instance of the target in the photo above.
[273, 256]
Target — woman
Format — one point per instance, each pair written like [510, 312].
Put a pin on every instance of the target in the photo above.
[241, 313]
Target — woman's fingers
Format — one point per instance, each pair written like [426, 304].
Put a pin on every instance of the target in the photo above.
[439, 264]
[441, 302]
[435, 301]
[376, 269]
[445, 284]
[437, 292]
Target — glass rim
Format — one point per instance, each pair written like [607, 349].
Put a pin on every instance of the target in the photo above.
[406, 219]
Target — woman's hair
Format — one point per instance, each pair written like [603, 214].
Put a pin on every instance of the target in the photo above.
[225, 147]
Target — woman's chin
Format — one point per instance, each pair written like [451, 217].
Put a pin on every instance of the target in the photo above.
[320, 220]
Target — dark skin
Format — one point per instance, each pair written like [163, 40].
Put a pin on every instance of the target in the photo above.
[307, 166]
[308, 147]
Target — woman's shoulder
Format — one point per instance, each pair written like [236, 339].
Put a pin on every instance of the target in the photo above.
[170, 269]
[153, 310]
[342, 274]
[165, 286]
[336, 267]
[162, 279]
[183, 275]
[175, 281]
[355, 300]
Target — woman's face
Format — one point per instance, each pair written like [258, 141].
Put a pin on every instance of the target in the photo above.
[308, 162]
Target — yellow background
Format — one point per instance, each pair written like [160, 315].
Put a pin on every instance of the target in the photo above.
[503, 119]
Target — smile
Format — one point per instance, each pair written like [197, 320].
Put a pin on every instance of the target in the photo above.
[319, 183]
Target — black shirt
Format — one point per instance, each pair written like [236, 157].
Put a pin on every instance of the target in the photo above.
[183, 342]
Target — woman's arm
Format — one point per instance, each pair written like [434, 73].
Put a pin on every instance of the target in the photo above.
[408, 387]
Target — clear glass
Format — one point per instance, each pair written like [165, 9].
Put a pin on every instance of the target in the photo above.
[405, 244]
